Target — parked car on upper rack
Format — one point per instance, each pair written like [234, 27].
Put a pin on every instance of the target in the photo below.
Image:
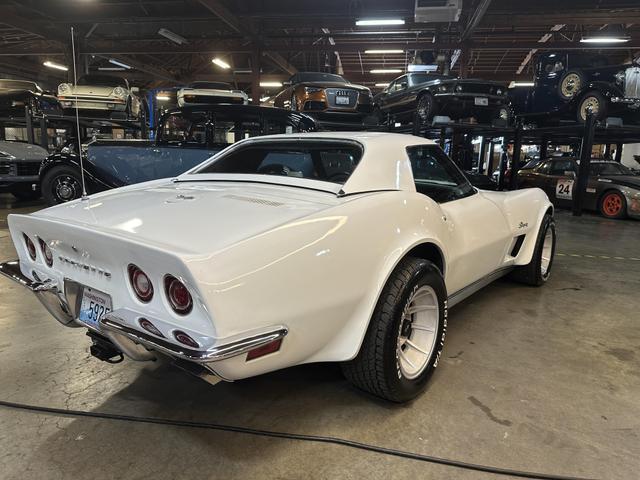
[327, 97]
[15, 95]
[19, 167]
[612, 189]
[285, 250]
[419, 97]
[102, 95]
[185, 137]
[207, 93]
[568, 84]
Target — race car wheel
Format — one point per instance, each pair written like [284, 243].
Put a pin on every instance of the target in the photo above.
[613, 205]
[596, 102]
[61, 184]
[537, 271]
[406, 334]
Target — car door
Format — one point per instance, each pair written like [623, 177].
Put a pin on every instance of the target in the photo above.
[396, 94]
[561, 182]
[478, 233]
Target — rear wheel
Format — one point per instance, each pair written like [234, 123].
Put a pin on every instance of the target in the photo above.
[406, 334]
[613, 205]
[61, 184]
[425, 111]
[537, 271]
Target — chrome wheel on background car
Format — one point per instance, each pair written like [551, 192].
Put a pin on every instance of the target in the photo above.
[417, 332]
[66, 188]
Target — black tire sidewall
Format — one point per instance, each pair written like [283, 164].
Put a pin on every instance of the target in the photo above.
[47, 183]
[427, 97]
[402, 387]
[547, 223]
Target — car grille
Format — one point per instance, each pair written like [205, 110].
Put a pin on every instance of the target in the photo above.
[5, 168]
[476, 88]
[28, 168]
[333, 93]
[632, 82]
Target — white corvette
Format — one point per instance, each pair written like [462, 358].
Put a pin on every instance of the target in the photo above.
[282, 250]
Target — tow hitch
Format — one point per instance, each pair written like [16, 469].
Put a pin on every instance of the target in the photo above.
[103, 349]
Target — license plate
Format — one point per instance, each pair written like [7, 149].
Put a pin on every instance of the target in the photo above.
[94, 306]
[484, 101]
[342, 100]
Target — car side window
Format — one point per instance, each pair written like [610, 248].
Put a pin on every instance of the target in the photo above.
[436, 176]
[562, 166]
[543, 168]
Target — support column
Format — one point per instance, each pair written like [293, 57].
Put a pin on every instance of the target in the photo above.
[607, 150]
[515, 161]
[504, 159]
[28, 124]
[483, 155]
[490, 166]
[580, 186]
[44, 137]
[443, 137]
[255, 77]
[543, 148]
[618, 157]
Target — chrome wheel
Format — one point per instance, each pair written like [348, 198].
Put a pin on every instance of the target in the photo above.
[589, 103]
[547, 253]
[66, 188]
[570, 85]
[417, 332]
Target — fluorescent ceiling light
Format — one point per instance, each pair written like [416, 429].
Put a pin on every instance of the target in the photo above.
[174, 37]
[162, 97]
[57, 66]
[383, 51]
[379, 21]
[521, 84]
[386, 70]
[270, 84]
[382, 85]
[221, 63]
[241, 71]
[604, 39]
[120, 64]
[111, 69]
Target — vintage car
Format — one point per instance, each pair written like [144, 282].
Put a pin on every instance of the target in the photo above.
[612, 189]
[102, 95]
[567, 85]
[16, 95]
[19, 167]
[283, 250]
[185, 137]
[206, 93]
[326, 96]
[420, 97]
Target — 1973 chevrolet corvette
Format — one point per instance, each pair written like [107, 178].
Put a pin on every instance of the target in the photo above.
[283, 250]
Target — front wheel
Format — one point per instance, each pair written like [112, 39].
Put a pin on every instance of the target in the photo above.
[537, 271]
[613, 205]
[425, 111]
[595, 102]
[61, 184]
[406, 334]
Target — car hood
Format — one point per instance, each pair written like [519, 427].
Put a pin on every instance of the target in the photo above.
[632, 181]
[24, 151]
[353, 86]
[192, 217]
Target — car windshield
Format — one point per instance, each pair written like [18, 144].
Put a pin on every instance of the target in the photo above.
[211, 85]
[317, 77]
[609, 168]
[327, 161]
[417, 78]
[18, 85]
[102, 81]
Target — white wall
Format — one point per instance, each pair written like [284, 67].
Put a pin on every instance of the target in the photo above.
[628, 151]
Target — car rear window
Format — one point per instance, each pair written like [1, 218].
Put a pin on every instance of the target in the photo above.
[325, 161]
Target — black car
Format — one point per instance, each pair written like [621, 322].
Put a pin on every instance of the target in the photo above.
[612, 189]
[419, 97]
[185, 137]
[566, 85]
[15, 95]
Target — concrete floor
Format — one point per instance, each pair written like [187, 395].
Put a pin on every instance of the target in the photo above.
[541, 379]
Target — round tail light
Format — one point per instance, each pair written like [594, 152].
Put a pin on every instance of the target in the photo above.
[31, 248]
[46, 252]
[178, 295]
[140, 283]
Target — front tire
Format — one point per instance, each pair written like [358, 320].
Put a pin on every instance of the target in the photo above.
[594, 100]
[61, 184]
[425, 111]
[537, 271]
[406, 334]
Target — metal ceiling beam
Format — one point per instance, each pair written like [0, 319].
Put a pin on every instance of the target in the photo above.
[475, 19]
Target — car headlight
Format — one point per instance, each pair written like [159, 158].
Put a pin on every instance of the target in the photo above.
[458, 88]
[620, 76]
[443, 88]
[312, 89]
[64, 88]
[504, 114]
[6, 156]
[120, 92]
[499, 91]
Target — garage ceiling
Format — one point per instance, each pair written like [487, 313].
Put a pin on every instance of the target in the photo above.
[495, 38]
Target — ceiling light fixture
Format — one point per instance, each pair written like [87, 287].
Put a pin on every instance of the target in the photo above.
[386, 70]
[603, 39]
[221, 63]
[382, 85]
[270, 84]
[520, 84]
[379, 21]
[174, 37]
[608, 34]
[57, 66]
[383, 51]
[120, 64]
[111, 69]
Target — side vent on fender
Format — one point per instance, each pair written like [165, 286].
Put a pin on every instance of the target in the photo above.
[517, 245]
[259, 201]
